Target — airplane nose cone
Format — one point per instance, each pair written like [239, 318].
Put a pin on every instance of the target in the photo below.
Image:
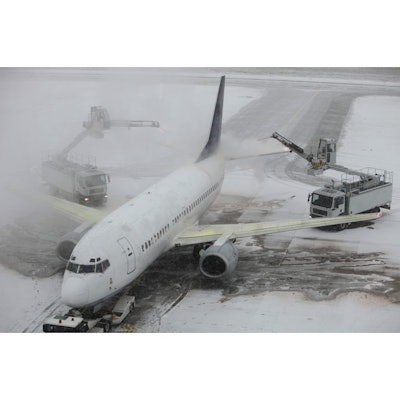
[74, 292]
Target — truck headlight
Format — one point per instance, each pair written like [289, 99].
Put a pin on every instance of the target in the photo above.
[86, 199]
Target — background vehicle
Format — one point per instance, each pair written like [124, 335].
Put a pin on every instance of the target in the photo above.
[83, 183]
[358, 192]
[78, 179]
[369, 193]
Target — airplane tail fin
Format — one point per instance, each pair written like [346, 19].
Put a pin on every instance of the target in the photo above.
[215, 133]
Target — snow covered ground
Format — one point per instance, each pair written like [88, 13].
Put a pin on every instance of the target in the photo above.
[24, 300]
[371, 137]
[41, 113]
[281, 312]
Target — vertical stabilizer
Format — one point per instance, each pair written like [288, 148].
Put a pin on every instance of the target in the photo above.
[215, 133]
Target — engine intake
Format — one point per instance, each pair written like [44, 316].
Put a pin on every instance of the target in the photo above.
[68, 242]
[218, 261]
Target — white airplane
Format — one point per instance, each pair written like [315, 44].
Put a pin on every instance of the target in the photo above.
[106, 256]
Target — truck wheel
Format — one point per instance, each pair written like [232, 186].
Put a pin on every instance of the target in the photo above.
[342, 227]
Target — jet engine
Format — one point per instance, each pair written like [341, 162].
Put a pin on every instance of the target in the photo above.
[67, 243]
[219, 260]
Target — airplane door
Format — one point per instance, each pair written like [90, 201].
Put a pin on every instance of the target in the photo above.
[130, 255]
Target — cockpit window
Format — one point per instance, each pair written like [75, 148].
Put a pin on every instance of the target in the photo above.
[72, 267]
[86, 269]
[106, 264]
[99, 267]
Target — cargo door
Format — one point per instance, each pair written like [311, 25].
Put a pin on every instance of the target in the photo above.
[130, 255]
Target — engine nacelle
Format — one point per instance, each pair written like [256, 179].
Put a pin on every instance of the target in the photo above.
[219, 260]
[68, 242]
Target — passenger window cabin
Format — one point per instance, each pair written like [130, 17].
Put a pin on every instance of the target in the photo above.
[175, 220]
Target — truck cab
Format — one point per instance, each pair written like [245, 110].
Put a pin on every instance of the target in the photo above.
[327, 202]
[91, 186]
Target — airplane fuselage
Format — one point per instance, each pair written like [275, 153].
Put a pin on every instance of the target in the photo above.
[120, 247]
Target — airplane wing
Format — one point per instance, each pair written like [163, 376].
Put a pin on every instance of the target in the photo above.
[209, 233]
[77, 212]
